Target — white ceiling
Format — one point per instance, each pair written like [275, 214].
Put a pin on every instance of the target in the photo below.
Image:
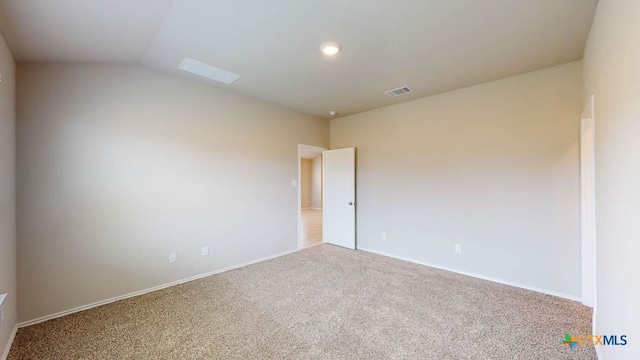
[81, 30]
[431, 46]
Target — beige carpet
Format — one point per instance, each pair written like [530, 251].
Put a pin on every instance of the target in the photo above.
[321, 303]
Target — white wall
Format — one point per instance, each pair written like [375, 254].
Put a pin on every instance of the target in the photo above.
[492, 167]
[316, 182]
[305, 182]
[612, 74]
[118, 166]
[7, 193]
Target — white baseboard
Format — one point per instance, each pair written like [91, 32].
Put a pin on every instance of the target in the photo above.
[145, 291]
[315, 208]
[544, 291]
[7, 348]
[306, 208]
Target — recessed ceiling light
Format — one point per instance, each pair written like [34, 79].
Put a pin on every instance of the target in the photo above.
[330, 48]
[333, 113]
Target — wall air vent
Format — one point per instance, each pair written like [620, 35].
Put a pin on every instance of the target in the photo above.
[399, 91]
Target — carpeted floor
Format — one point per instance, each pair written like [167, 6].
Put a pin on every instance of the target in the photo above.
[320, 303]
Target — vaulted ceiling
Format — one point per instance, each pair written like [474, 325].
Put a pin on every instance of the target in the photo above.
[432, 46]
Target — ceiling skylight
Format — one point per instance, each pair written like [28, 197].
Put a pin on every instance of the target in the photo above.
[209, 71]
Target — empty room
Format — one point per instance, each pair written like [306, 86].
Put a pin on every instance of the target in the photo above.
[414, 179]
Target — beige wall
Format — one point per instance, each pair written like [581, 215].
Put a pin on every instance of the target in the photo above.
[7, 193]
[305, 182]
[316, 182]
[492, 167]
[612, 74]
[118, 166]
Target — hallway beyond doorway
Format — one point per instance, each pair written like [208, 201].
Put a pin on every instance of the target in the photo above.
[311, 227]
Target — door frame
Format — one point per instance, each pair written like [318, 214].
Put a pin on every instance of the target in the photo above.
[302, 148]
[587, 203]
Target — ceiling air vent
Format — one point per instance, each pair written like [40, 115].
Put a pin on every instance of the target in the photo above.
[399, 91]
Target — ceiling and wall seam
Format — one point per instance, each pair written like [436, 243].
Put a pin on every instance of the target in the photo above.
[155, 34]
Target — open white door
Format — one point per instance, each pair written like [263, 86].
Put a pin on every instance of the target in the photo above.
[339, 204]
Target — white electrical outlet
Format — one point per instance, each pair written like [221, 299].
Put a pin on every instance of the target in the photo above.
[205, 251]
[383, 236]
[173, 257]
[458, 249]
[294, 183]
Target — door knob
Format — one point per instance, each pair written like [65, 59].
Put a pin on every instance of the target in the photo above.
[350, 202]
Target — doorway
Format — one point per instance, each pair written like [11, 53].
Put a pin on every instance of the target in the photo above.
[310, 197]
